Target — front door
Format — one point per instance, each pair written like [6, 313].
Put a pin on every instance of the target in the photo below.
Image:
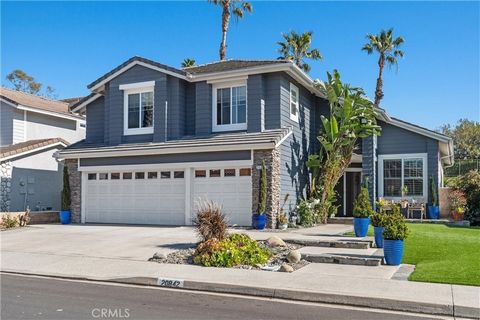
[347, 190]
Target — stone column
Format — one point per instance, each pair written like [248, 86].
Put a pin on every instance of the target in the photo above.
[75, 178]
[272, 164]
[5, 185]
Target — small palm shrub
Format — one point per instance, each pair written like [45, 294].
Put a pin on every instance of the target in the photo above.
[236, 249]
[395, 227]
[362, 207]
[210, 222]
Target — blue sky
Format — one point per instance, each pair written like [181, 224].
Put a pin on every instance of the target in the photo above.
[68, 45]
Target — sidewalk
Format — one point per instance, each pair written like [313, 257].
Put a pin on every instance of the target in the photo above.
[369, 287]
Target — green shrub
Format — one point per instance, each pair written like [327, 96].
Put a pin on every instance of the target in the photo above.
[395, 227]
[236, 249]
[469, 184]
[378, 219]
[306, 212]
[66, 198]
[9, 221]
[262, 204]
[210, 222]
[362, 207]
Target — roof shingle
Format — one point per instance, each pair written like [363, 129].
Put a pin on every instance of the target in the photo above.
[228, 65]
[30, 145]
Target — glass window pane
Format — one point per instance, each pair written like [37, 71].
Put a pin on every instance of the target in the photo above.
[103, 176]
[115, 175]
[415, 187]
[239, 104]
[229, 173]
[392, 175]
[234, 104]
[152, 175]
[226, 106]
[392, 168]
[219, 106]
[165, 175]
[200, 173]
[178, 174]
[133, 110]
[127, 175]
[413, 168]
[147, 109]
[92, 176]
[139, 175]
[215, 173]
[245, 172]
[392, 187]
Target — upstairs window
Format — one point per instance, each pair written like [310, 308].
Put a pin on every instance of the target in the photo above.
[294, 96]
[230, 107]
[138, 107]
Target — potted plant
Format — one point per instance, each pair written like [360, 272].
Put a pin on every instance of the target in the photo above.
[394, 232]
[378, 221]
[457, 204]
[433, 209]
[65, 214]
[259, 219]
[362, 210]
[282, 217]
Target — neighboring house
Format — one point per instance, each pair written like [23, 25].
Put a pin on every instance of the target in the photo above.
[159, 139]
[32, 130]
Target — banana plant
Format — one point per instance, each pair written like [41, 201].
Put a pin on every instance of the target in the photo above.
[352, 116]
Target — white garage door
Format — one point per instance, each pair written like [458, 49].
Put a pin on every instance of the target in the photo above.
[135, 197]
[230, 187]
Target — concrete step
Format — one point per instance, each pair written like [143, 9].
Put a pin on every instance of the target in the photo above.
[359, 257]
[340, 243]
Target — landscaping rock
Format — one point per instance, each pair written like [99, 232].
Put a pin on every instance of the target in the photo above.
[159, 255]
[294, 256]
[286, 268]
[275, 241]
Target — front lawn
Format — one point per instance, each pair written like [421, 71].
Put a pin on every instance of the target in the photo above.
[443, 254]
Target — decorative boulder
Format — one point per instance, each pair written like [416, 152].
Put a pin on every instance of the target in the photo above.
[286, 268]
[159, 255]
[294, 256]
[275, 241]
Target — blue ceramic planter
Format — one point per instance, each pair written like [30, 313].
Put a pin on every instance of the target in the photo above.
[360, 226]
[433, 212]
[259, 221]
[378, 231]
[393, 251]
[65, 217]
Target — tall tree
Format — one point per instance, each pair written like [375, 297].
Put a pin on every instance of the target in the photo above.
[237, 8]
[21, 81]
[188, 63]
[352, 116]
[297, 47]
[388, 50]
[466, 138]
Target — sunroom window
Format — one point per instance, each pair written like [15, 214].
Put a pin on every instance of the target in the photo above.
[230, 108]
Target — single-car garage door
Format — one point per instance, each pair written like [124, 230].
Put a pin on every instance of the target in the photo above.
[135, 197]
[229, 187]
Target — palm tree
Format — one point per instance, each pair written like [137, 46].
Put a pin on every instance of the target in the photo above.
[296, 47]
[229, 7]
[188, 63]
[389, 51]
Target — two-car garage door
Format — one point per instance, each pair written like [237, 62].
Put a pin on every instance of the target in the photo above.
[165, 197]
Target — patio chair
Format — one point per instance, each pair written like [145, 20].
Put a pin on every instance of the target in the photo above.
[412, 207]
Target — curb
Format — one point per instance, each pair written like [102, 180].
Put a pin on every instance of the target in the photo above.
[291, 294]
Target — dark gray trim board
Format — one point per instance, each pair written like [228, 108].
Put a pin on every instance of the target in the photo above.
[168, 158]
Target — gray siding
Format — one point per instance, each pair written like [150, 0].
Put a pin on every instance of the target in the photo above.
[96, 121]
[255, 94]
[203, 113]
[190, 109]
[6, 124]
[168, 158]
[294, 152]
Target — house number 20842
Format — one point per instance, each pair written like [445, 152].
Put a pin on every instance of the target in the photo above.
[173, 283]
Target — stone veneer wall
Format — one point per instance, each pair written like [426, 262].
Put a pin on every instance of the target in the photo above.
[272, 164]
[75, 178]
[5, 185]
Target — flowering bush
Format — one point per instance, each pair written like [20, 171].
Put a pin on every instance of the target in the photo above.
[306, 211]
[457, 200]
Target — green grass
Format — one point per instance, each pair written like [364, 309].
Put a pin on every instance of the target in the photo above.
[443, 254]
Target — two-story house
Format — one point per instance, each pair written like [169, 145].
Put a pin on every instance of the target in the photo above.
[160, 139]
[32, 129]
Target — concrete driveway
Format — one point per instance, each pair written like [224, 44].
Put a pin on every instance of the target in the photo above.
[125, 242]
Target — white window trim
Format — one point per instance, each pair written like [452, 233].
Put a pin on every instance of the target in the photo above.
[294, 117]
[403, 157]
[133, 88]
[228, 127]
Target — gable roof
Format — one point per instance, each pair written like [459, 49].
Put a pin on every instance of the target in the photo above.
[23, 148]
[228, 65]
[22, 99]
